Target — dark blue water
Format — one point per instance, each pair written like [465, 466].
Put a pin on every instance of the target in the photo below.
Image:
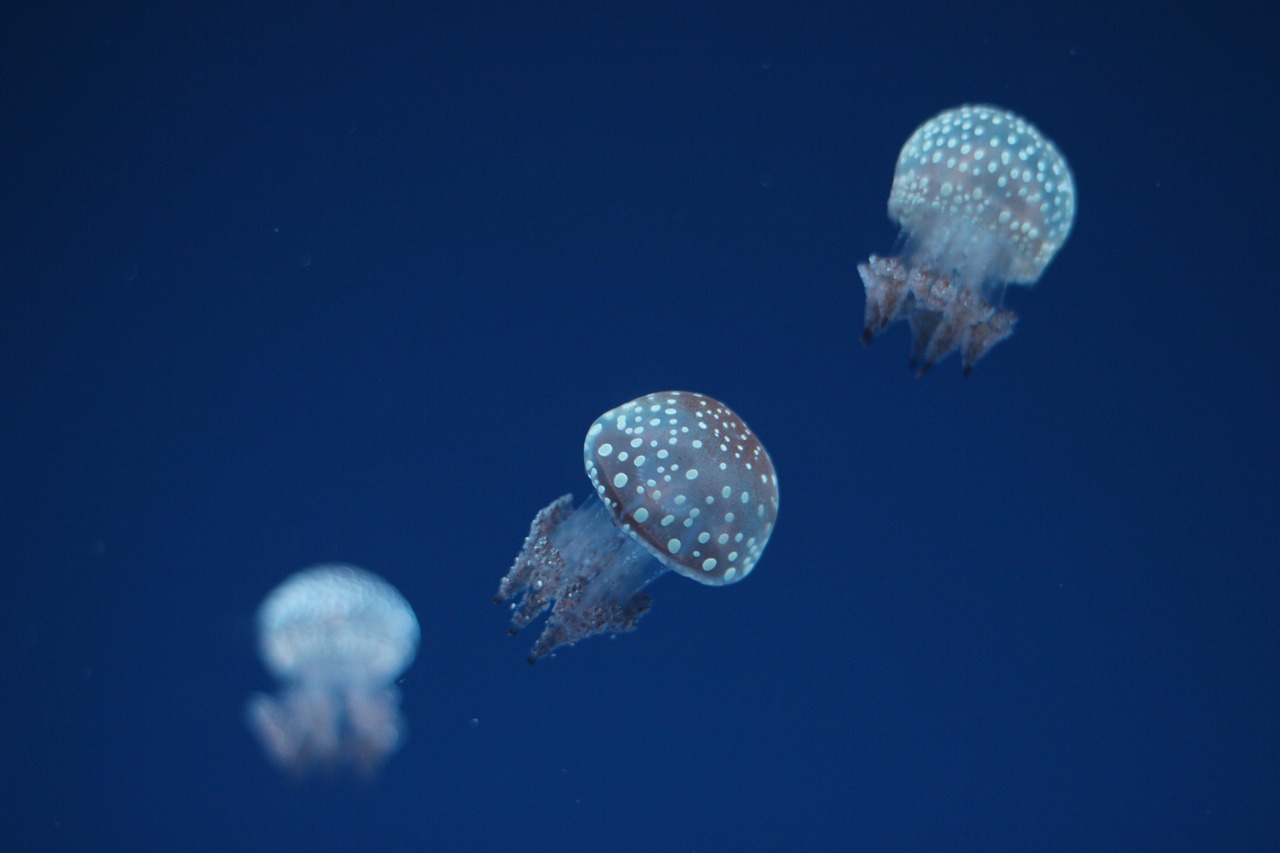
[341, 284]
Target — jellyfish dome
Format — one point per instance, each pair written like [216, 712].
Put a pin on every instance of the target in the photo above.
[337, 637]
[680, 484]
[984, 200]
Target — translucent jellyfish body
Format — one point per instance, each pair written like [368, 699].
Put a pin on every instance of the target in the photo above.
[681, 484]
[984, 200]
[337, 637]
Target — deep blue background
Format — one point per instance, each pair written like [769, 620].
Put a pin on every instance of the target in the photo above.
[337, 283]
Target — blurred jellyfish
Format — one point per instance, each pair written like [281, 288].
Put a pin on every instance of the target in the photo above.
[984, 200]
[680, 483]
[337, 637]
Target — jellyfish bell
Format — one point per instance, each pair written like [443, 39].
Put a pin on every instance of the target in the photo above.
[984, 200]
[337, 637]
[681, 484]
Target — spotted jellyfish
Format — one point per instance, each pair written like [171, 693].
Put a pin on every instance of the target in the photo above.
[681, 484]
[983, 200]
[337, 637]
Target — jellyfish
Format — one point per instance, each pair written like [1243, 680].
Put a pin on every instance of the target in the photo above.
[337, 637]
[681, 484]
[983, 200]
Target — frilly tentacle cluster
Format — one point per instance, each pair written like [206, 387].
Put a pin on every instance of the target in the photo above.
[944, 317]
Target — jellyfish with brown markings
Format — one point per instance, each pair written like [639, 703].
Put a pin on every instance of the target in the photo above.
[984, 200]
[681, 484]
[338, 637]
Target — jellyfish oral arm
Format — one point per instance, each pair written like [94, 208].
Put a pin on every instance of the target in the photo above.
[581, 566]
[307, 727]
[943, 316]
[885, 282]
[299, 728]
